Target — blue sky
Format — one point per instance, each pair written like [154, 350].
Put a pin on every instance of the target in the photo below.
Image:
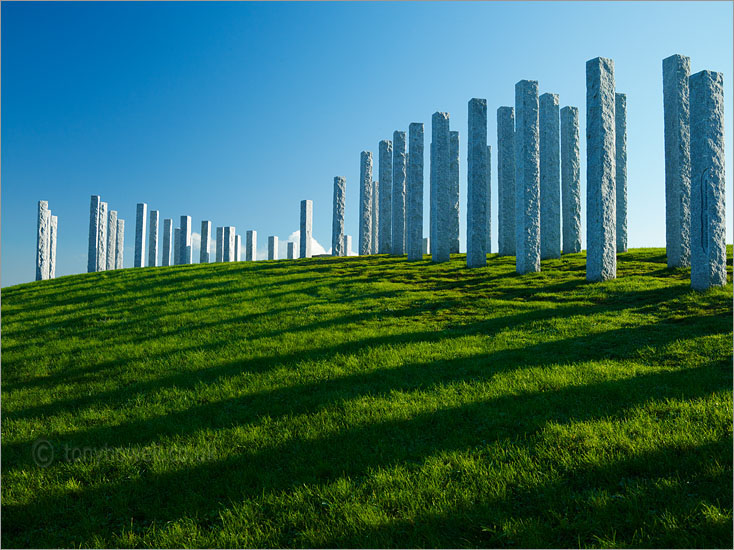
[234, 112]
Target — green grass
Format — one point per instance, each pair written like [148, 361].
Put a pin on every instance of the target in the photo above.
[368, 402]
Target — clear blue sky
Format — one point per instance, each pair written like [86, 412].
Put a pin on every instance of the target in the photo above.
[234, 112]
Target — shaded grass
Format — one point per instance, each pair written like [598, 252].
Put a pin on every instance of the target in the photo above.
[368, 402]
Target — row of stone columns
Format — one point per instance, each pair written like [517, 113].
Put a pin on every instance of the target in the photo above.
[46, 235]
[106, 237]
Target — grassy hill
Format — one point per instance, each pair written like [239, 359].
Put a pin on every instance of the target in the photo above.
[368, 402]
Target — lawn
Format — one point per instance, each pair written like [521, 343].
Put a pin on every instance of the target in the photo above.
[361, 402]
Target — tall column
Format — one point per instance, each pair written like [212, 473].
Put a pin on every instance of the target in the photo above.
[167, 241]
[43, 241]
[399, 175]
[93, 230]
[184, 252]
[251, 245]
[620, 134]
[141, 214]
[365, 203]
[120, 245]
[176, 246]
[489, 200]
[676, 109]
[571, 180]
[476, 178]
[52, 238]
[237, 248]
[220, 244]
[272, 247]
[550, 177]
[708, 191]
[206, 237]
[454, 192]
[433, 202]
[347, 244]
[385, 195]
[227, 244]
[337, 222]
[291, 250]
[527, 178]
[506, 180]
[601, 172]
[442, 184]
[111, 239]
[306, 228]
[414, 199]
[375, 240]
[102, 237]
[153, 238]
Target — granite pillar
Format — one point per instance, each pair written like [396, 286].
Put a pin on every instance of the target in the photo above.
[237, 248]
[414, 198]
[375, 240]
[399, 176]
[230, 238]
[120, 245]
[167, 241]
[93, 230]
[347, 245]
[153, 238]
[442, 184]
[102, 237]
[52, 238]
[291, 250]
[620, 135]
[426, 246]
[489, 199]
[141, 215]
[570, 180]
[306, 228]
[111, 239]
[454, 192]
[176, 246]
[251, 245]
[365, 203]
[337, 222]
[385, 195]
[506, 181]
[185, 240]
[476, 179]
[550, 177]
[272, 247]
[220, 244]
[43, 241]
[206, 238]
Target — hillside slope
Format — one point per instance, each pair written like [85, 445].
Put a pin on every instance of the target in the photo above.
[368, 402]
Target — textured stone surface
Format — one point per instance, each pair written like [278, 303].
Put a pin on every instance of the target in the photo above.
[272, 247]
[347, 245]
[237, 248]
[708, 191]
[432, 200]
[506, 181]
[229, 242]
[102, 237]
[477, 187]
[399, 177]
[384, 235]
[185, 240]
[676, 113]
[141, 218]
[620, 136]
[220, 244]
[601, 215]
[414, 194]
[43, 231]
[550, 177]
[426, 245]
[176, 247]
[365, 203]
[111, 239]
[291, 250]
[306, 228]
[375, 240]
[120, 245]
[167, 244]
[454, 191]
[570, 180]
[337, 222]
[153, 238]
[527, 178]
[52, 238]
[206, 240]
[251, 245]
[488, 237]
[93, 230]
[442, 185]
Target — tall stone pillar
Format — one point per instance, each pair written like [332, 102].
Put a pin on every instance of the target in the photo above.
[442, 185]
[141, 215]
[550, 177]
[506, 180]
[220, 244]
[676, 110]
[111, 239]
[272, 247]
[167, 241]
[184, 244]
[426, 247]
[601, 171]
[375, 240]
[527, 178]
[176, 247]
[385, 196]
[250, 245]
[102, 237]
[291, 250]
[153, 238]
[414, 199]
[433, 202]
[571, 180]
[120, 245]
[347, 244]
[206, 238]
[230, 238]
[52, 238]
[337, 222]
[399, 175]
[620, 133]
[708, 186]
[365, 203]
[237, 248]
[306, 228]
[489, 199]
[476, 177]
[93, 230]
[454, 192]
[43, 241]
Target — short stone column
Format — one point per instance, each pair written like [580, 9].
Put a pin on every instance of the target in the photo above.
[120, 245]
[206, 238]
[102, 237]
[141, 215]
[167, 241]
[676, 118]
[454, 244]
[337, 221]
[570, 180]
[43, 241]
[442, 185]
[251, 245]
[365, 203]
[111, 239]
[291, 250]
[375, 240]
[347, 244]
[176, 246]
[93, 230]
[185, 242]
[52, 238]
[220, 244]
[426, 247]
[272, 247]
[153, 238]
[601, 172]
[399, 176]
[527, 178]
[385, 195]
[306, 228]
[506, 181]
[550, 177]
[237, 248]
[620, 136]
[708, 186]
[477, 173]
[229, 243]
[414, 194]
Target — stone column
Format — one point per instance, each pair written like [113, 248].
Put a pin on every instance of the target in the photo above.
[426, 245]
[571, 180]
[111, 239]
[272, 247]
[176, 246]
[414, 199]
[306, 228]
[43, 241]
[601, 172]
[385, 195]
[708, 186]
[506, 180]
[489, 199]
[52, 238]
[291, 250]
[399, 175]
[153, 238]
[237, 248]
[527, 178]
[206, 238]
[347, 244]
[141, 215]
[442, 185]
[432, 205]
[476, 179]
[185, 242]
[167, 241]
[550, 177]
[220, 244]
[454, 191]
[120, 245]
[337, 222]
[365, 203]
[620, 134]
[102, 238]
[93, 230]
[229, 243]
[375, 240]
[676, 109]
[251, 245]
